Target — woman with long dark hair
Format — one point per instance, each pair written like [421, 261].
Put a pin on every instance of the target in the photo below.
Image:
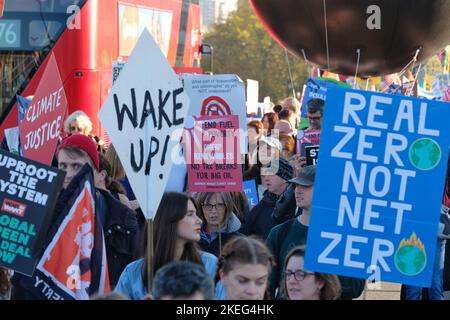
[176, 230]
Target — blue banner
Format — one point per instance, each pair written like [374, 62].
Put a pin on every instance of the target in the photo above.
[250, 190]
[315, 88]
[22, 106]
[379, 187]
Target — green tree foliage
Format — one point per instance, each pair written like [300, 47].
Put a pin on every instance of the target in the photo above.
[243, 46]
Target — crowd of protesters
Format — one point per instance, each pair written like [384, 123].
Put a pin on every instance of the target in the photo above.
[211, 245]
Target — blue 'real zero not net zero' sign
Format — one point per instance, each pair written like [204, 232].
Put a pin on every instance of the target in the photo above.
[379, 186]
[9, 33]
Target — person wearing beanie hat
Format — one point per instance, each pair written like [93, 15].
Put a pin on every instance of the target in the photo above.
[285, 170]
[120, 225]
[283, 237]
[275, 178]
[73, 152]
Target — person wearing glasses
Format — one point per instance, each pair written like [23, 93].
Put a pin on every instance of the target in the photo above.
[315, 113]
[220, 223]
[298, 284]
[78, 122]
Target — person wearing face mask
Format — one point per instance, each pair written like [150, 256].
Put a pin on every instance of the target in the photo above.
[219, 221]
[299, 284]
[243, 270]
[176, 231]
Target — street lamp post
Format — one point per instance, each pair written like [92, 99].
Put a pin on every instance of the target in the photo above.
[208, 49]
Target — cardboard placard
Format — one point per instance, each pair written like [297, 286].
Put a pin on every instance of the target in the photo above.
[216, 95]
[251, 191]
[378, 188]
[144, 116]
[43, 122]
[28, 192]
[213, 157]
[311, 154]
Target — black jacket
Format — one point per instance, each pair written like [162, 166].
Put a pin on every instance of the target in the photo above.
[259, 220]
[122, 235]
[121, 232]
[285, 206]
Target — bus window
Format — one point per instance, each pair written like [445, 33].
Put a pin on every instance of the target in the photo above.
[31, 29]
[41, 33]
[28, 29]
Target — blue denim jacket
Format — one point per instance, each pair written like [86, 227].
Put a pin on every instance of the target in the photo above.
[131, 285]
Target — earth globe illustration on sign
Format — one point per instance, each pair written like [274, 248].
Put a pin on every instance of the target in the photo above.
[424, 154]
[411, 258]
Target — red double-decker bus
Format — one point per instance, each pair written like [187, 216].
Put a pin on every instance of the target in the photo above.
[86, 36]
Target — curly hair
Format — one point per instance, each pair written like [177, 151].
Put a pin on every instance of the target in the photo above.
[82, 119]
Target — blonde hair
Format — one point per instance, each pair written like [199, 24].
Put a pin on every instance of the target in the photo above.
[292, 104]
[283, 126]
[81, 118]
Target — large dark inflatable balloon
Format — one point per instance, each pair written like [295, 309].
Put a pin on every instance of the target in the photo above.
[406, 25]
